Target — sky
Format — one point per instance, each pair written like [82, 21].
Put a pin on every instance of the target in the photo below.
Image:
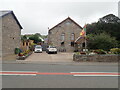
[36, 16]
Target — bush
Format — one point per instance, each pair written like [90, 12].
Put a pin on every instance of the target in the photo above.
[100, 51]
[82, 52]
[101, 41]
[115, 50]
[24, 53]
[21, 54]
[17, 50]
[77, 53]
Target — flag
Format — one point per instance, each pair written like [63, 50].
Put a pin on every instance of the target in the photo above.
[82, 33]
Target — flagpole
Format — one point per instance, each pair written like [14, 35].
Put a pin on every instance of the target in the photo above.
[83, 34]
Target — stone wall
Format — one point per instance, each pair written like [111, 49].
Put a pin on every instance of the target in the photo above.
[10, 35]
[67, 27]
[96, 58]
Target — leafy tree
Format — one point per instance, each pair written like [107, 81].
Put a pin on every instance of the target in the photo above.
[38, 34]
[44, 36]
[101, 41]
[36, 38]
[109, 23]
[23, 37]
[110, 18]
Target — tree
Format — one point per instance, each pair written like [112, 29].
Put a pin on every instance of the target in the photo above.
[38, 34]
[110, 18]
[101, 41]
[109, 23]
[23, 37]
[36, 38]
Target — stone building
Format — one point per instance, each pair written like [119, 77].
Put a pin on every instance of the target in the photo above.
[64, 34]
[25, 44]
[10, 34]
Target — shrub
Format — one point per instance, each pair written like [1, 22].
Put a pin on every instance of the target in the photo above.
[115, 50]
[77, 53]
[100, 51]
[27, 51]
[17, 50]
[82, 52]
[21, 54]
[24, 53]
[101, 41]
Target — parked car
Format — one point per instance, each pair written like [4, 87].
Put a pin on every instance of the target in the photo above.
[51, 49]
[38, 49]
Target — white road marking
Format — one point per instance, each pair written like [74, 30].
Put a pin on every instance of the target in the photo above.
[34, 73]
[92, 74]
[17, 74]
[19, 71]
[96, 75]
[4, 73]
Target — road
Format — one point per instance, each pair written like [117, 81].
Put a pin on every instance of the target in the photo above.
[59, 81]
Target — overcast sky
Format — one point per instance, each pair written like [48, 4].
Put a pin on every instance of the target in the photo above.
[37, 15]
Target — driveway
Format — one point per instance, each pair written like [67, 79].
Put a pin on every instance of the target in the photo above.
[44, 57]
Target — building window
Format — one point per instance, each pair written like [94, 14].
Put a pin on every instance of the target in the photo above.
[49, 32]
[23, 43]
[72, 37]
[62, 43]
[68, 23]
[83, 44]
[72, 44]
[26, 43]
[62, 39]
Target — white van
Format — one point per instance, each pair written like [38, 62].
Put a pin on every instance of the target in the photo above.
[38, 49]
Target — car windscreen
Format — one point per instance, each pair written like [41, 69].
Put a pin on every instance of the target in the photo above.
[52, 47]
[38, 47]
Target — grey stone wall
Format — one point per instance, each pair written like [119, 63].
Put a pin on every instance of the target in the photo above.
[96, 58]
[10, 35]
[54, 36]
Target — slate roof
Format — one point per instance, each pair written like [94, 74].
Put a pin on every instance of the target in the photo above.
[64, 21]
[5, 13]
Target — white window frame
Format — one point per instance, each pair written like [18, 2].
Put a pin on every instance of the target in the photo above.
[72, 37]
[62, 37]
